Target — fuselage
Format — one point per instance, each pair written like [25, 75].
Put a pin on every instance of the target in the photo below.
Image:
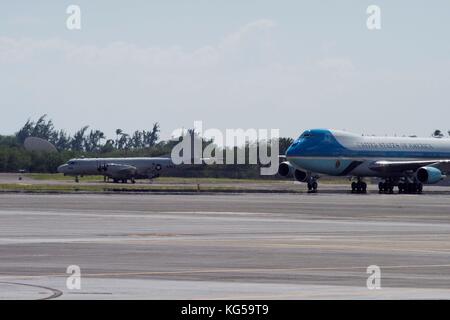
[140, 167]
[340, 153]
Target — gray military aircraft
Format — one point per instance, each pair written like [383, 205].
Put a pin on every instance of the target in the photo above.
[117, 169]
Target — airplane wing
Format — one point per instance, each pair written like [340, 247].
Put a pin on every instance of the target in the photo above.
[120, 169]
[403, 166]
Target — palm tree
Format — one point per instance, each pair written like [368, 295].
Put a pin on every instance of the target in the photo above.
[78, 139]
[118, 133]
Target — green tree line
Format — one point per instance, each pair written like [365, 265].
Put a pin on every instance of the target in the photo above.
[87, 142]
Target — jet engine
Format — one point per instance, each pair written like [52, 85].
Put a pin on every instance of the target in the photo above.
[119, 170]
[429, 175]
[285, 169]
[301, 176]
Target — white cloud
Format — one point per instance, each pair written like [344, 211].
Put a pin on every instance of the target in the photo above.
[340, 65]
[251, 37]
[238, 81]
[246, 33]
[72, 81]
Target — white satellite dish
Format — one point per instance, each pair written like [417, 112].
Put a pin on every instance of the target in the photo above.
[38, 144]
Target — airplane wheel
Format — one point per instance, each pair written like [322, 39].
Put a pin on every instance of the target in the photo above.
[364, 187]
[419, 188]
[385, 187]
[312, 186]
[415, 188]
[359, 187]
[410, 188]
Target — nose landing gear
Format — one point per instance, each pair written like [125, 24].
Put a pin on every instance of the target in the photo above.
[312, 186]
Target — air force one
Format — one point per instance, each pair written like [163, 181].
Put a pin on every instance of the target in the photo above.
[404, 162]
[117, 169]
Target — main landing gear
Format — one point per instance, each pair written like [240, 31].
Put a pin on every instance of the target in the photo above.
[410, 187]
[386, 187]
[150, 178]
[359, 186]
[405, 186]
[120, 180]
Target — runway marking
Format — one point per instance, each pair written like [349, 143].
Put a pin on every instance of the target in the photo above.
[345, 292]
[336, 223]
[55, 292]
[384, 246]
[314, 242]
[229, 270]
[365, 247]
[268, 217]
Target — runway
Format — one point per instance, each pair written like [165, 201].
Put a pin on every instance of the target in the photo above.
[246, 246]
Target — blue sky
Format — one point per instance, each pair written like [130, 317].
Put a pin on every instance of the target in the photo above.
[290, 65]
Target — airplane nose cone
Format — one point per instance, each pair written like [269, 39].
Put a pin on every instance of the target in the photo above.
[62, 169]
[291, 151]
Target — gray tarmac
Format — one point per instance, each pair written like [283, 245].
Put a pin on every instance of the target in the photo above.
[246, 246]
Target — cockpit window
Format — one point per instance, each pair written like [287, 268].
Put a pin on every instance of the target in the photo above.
[72, 163]
[306, 134]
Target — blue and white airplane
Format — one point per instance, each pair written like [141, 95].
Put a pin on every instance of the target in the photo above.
[405, 162]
